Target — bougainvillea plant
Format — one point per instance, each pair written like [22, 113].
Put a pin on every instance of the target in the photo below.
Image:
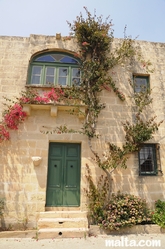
[4, 133]
[95, 38]
[13, 115]
[32, 96]
[98, 62]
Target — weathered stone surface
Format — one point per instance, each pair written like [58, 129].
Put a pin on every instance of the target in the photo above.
[19, 234]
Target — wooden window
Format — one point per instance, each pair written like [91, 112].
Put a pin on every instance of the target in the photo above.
[52, 69]
[149, 159]
[141, 83]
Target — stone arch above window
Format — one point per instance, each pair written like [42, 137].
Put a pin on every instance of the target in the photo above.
[53, 69]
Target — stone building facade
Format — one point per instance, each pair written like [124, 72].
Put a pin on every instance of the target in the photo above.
[25, 157]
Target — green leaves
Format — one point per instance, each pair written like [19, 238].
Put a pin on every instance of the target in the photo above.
[142, 99]
[120, 210]
[124, 210]
[114, 158]
[143, 128]
[95, 38]
[97, 196]
[93, 34]
[158, 215]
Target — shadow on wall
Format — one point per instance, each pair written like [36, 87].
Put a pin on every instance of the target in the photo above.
[21, 183]
[150, 188]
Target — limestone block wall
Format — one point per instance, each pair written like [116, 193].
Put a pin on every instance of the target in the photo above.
[22, 184]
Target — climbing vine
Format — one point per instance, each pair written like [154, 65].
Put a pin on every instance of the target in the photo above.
[95, 38]
[98, 59]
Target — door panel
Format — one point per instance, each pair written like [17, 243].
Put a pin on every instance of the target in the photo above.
[63, 182]
[55, 180]
[55, 176]
[71, 174]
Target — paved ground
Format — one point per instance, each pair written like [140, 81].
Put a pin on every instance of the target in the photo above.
[85, 243]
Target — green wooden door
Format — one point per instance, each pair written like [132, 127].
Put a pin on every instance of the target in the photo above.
[63, 181]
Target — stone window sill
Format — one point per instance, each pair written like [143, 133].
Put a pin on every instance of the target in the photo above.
[55, 108]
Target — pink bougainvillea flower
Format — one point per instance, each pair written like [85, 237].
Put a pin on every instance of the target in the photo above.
[85, 43]
[40, 100]
[4, 134]
[53, 95]
[14, 116]
[24, 100]
[76, 55]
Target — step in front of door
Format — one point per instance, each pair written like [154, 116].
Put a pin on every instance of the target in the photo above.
[62, 224]
[53, 233]
[63, 214]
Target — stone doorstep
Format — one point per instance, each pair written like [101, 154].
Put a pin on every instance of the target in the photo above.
[52, 233]
[95, 230]
[63, 214]
[62, 223]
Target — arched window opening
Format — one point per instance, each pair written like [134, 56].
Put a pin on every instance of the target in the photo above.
[53, 69]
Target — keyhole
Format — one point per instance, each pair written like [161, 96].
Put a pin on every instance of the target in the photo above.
[71, 166]
[55, 166]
